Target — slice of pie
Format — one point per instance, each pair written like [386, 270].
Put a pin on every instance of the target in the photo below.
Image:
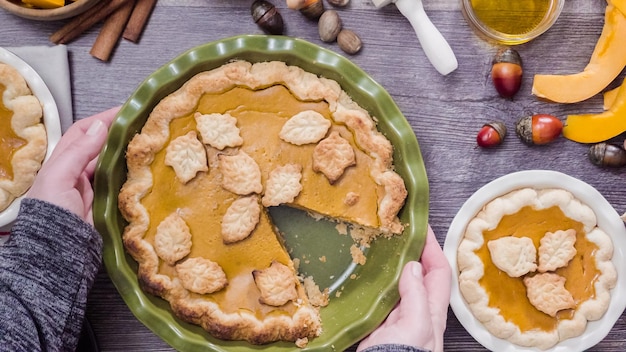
[23, 141]
[272, 134]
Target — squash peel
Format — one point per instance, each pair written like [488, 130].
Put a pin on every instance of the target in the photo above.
[594, 128]
[607, 61]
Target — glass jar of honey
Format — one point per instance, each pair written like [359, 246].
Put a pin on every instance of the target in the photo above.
[511, 22]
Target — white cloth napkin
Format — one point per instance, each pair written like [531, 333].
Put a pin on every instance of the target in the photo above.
[52, 65]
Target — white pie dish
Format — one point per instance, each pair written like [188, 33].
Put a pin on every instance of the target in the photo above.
[608, 220]
[51, 120]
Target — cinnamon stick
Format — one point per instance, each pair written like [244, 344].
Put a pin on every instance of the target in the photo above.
[84, 21]
[111, 32]
[138, 19]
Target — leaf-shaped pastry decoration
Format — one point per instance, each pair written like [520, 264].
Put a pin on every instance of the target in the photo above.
[516, 256]
[241, 173]
[305, 127]
[240, 219]
[332, 156]
[277, 284]
[547, 293]
[201, 275]
[556, 249]
[172, 241]
[187, 156]
[283, 185]
[218, 130]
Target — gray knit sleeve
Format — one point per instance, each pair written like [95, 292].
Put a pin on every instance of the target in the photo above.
[46, 270]
[394, 348]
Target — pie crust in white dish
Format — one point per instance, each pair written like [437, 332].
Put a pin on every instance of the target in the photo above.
[592, 320]
[50, 120]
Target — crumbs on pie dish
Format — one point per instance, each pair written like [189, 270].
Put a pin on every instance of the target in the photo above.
[534, 267]
[23, 140]
[209, 161]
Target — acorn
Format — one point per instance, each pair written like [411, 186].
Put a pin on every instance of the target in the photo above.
[349, 41]
[506, 72]
[491, 134]
[312, 9]
[339, 3]
[538, 129]
[607, 155]
[267, 17]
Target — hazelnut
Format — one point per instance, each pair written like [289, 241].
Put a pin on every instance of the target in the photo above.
[349, 42]
[329, 26]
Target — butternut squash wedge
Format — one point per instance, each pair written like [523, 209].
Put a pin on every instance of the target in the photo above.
[607, 61]
[620, 4]
[594, 128]
[609, 98]
[45, 4]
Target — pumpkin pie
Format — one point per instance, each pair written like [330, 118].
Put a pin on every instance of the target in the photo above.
[210, 160]
[23, 141]
[534, 267]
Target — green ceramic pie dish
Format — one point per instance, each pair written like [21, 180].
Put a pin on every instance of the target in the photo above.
[361, 295]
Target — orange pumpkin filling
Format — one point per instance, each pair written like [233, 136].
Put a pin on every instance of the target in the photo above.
[9, 141]
[508, 294]
[202, 202]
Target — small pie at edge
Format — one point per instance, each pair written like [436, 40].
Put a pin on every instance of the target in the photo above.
[471, 267]
[21, 116]
[239, 311]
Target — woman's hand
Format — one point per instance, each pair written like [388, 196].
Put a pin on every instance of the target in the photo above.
[419, 319]
[65, 178]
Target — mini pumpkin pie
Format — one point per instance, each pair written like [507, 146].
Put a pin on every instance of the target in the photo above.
[534, 267]
[23, 141]
[209, 161]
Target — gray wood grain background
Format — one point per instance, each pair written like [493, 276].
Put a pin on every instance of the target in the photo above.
[445, 112]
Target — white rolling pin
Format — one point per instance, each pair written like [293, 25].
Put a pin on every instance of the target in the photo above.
[435, 46]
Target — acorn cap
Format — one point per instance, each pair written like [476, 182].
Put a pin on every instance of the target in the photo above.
[507, 55]
[499, 127]
[524, 129]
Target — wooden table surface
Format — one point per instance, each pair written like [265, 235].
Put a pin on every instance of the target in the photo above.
[445, 111]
